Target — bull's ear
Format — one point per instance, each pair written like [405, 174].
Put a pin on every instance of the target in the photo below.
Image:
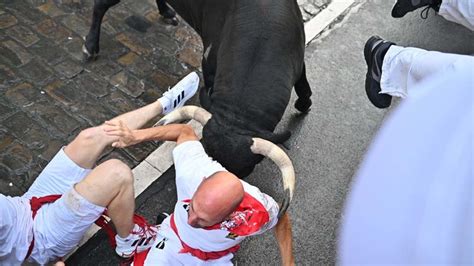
[277, 138]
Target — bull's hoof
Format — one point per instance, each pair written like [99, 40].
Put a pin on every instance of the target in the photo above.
[171, 21]
[303, 105]
[88, 56]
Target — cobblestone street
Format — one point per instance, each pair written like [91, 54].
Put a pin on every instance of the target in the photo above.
[48, 94]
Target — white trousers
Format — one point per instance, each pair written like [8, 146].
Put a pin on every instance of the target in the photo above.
[403, 69]
[411, 202]
[458, 11]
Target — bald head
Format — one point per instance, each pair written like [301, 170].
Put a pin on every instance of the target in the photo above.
[215, 199]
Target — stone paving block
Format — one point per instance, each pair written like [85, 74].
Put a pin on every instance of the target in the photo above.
[66, 93]
[136, 64]
[134, 43]
[161, 41]
[23, 35]
[26, 13]
[50, 9]
[110, 48]
[119, 102]
[139, 7]
[6, 183]
[48, 51]
[187, 35]
[23, 94]
[118, 154]
[7, 76]
[153, 15]
[55, 119]
[73, 47]
[51, 149]
[162, 80]
[151, 94]
[138, 23]
[76, 24]
[140, 152]
[93, 111]
[6, 140]
[36, 71]
[4, 111]
[73, 6]
[26, 129]
[13, 54]
[168, 63]
[36, 2]
[7, 20]
[93, 84]
[112, 26]
[128, 83]
[190, 56]
[103, 68]
[68, 68]
[17, 157]
[119, 12]
[53, 31]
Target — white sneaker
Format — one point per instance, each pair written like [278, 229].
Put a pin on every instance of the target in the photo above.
[140, 239]
[180, 93]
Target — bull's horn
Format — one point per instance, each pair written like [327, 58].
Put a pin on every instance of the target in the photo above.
[186, 112]
[279, 157]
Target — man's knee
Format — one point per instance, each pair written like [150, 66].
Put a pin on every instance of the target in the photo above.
[90, 135]
[118, 172]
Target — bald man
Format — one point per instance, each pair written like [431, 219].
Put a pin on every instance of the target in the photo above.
[215, 210]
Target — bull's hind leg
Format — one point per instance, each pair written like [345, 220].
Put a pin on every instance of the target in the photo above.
[169, 16]
[303, 91]
[90, 48]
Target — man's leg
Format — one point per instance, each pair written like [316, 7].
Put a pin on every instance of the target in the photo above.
[86, 148]
[110, 185]
[63, 223]
[402, 7]
[393, 70]
[458, 11]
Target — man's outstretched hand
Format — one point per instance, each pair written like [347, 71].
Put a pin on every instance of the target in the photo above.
[126, 137]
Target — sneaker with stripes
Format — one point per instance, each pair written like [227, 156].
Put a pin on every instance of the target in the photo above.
[140, 239]
[180, 93]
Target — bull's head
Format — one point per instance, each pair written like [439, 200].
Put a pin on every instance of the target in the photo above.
[221, 144]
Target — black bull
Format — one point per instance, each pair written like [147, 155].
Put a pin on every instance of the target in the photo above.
[253, 56]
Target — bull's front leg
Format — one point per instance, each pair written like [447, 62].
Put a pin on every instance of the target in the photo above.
[169, 16]
[90, 48]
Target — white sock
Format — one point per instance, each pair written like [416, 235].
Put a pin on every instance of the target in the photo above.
[118, 238]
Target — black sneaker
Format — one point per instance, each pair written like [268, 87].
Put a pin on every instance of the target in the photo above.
[374, 52]
[402, 7]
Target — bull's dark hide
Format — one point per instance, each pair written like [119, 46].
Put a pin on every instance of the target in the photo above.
[253, 56]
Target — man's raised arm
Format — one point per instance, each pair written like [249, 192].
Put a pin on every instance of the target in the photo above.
[126, 137]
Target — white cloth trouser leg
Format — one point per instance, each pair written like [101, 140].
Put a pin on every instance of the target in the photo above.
[458, 11]
[404, 68]
[411, 202]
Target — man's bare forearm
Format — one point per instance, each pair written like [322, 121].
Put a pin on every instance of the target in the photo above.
[173, 132]
[284, 238]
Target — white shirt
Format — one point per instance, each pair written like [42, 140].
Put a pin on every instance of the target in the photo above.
[193, 165]
[15, 229]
